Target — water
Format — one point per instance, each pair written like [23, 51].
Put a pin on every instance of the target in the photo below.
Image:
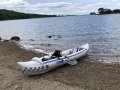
[101, 32]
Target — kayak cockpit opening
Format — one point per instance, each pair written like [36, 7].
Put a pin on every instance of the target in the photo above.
[59, 53]
[56, 54]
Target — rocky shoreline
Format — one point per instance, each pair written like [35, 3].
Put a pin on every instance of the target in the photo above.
[86, 75]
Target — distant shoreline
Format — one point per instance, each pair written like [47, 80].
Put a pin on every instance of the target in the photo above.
[13, 15]
[105, 11]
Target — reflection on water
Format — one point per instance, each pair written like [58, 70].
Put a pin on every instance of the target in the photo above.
[101, 32]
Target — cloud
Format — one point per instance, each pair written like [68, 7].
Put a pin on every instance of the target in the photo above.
[115, 0]
[12, 2]
[63, 8]
[56, 7]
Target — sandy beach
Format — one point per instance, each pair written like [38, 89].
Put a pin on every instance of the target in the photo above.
[86, 75]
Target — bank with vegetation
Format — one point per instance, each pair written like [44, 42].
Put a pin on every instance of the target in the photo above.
[10, 15]
[102, 11]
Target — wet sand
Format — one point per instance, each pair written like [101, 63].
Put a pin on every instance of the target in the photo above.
[86, 75]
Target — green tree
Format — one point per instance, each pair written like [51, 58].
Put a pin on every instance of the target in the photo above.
[116, 11]
[101, 10]
[104, 11]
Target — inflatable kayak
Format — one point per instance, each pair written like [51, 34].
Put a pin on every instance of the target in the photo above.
[44, 64]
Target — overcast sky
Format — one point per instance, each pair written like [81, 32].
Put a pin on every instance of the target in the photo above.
[72, 7]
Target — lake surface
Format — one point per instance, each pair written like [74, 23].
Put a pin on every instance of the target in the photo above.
[102, 32]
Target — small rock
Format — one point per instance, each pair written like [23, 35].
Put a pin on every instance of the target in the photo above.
[15, 38]
[49, 36]
[31, 39]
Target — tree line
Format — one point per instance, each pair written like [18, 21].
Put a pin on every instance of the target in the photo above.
[10, 14]
[108, 11]
[102, 11]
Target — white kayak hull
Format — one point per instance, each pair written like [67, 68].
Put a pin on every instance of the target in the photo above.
[37, 66]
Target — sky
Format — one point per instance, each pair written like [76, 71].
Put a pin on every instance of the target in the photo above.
[59, 7]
